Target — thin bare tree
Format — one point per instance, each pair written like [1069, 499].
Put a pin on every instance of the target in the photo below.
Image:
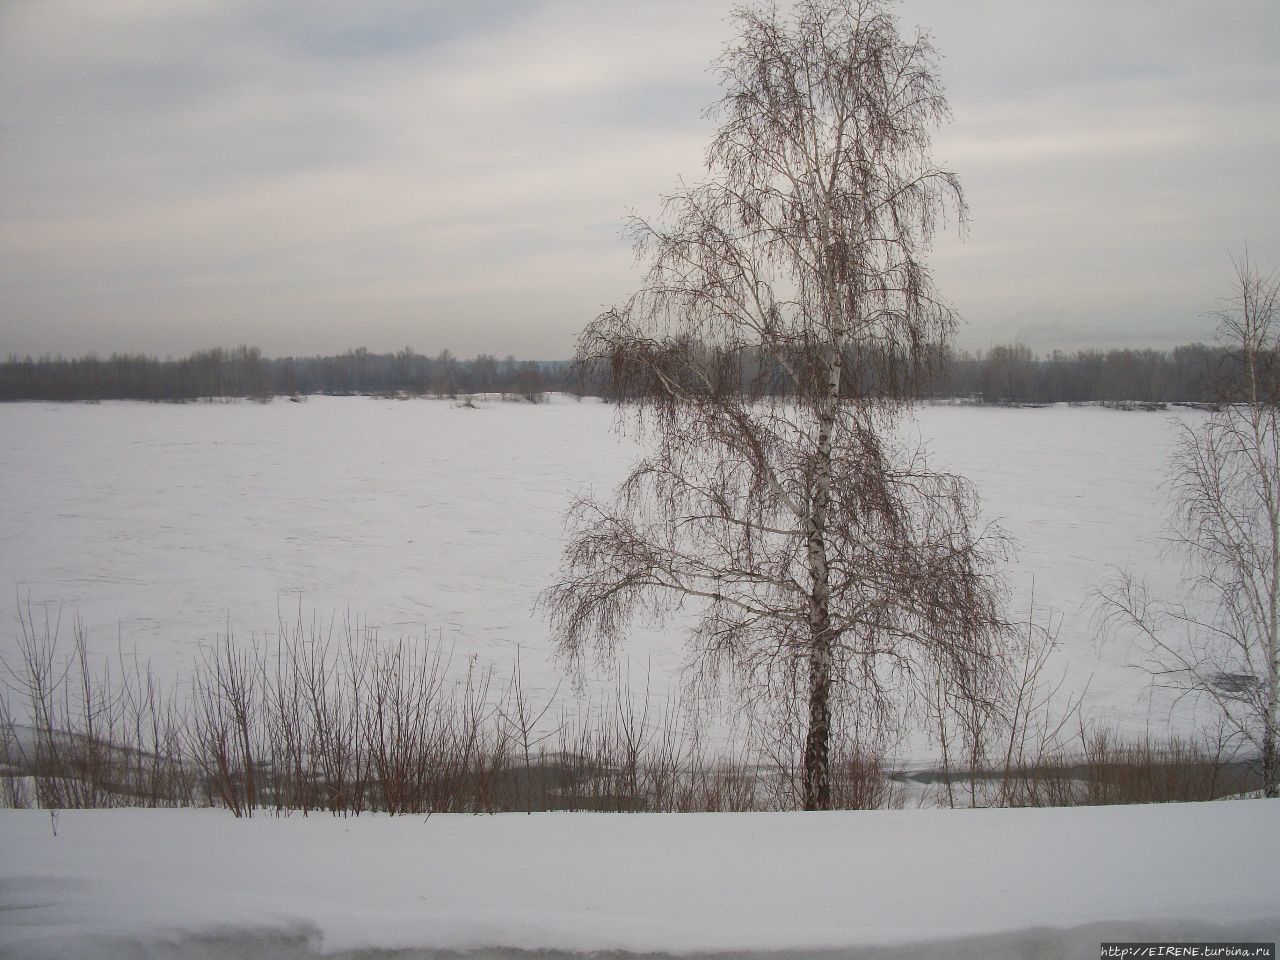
[1225, 482]
[785, 318]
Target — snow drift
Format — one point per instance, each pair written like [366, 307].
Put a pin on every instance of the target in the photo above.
[984, 883]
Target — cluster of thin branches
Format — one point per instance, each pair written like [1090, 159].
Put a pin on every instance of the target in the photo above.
[94, 733]
[331, 719]
[1224, 487]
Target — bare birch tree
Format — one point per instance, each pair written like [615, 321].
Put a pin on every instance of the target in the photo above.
[1225, 484]
[784, 319]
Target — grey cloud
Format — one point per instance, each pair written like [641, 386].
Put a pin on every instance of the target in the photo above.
[309, 177]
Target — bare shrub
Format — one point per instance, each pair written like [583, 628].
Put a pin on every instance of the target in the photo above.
[1144, 770]
[224, 735]
[1101, 767]
[860, 781]
[406, 726]
[92, 737]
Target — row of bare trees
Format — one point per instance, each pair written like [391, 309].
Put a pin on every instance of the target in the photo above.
[1005, 373]
[1012, 373]
[245, 372]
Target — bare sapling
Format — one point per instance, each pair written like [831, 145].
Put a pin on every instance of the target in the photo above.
[523, 719]
[786, 318]
[1223, 647]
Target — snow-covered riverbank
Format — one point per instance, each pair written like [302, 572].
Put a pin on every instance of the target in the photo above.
[963, 883]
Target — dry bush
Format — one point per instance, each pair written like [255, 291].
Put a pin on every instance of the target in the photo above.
[83, 734]
[224, 733]
[861, 782]
[1103, 767]
[405, 721]
[1144, 770]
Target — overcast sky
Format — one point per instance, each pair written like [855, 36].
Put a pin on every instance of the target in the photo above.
[313, 176]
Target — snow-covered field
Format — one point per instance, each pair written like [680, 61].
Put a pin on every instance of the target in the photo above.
[980, 884]
[164, 526]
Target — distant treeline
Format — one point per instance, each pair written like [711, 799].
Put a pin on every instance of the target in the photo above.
[1194, 373]
[245, 372]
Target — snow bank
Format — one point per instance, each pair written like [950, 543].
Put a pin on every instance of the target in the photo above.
[986, 883]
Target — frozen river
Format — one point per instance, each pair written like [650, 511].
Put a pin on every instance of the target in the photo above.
[165, 526]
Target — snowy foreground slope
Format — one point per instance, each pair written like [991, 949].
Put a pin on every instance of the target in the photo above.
[935, 883]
